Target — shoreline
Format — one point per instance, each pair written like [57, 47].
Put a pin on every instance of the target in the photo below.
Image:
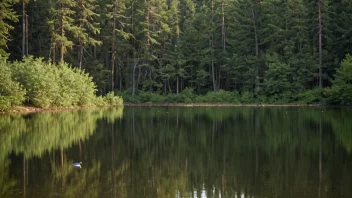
[31, 109]
[217, 105]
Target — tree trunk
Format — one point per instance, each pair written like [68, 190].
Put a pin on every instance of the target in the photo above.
[133, 78]
[169, 86]
[213, 70]
[62, 34]
[80, 47]
[113, 50]
[23, 28]
[320, 47]
[133, 83]
[112, 69]
[54, 53]
[120, 77]
[256, 49]
[177, 84]
[26, 36]
[147, 33]
[80, 54]
[223, 27]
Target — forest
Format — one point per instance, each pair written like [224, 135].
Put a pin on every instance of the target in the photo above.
[244, 51]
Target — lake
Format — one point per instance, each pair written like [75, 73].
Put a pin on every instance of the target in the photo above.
[240, 152]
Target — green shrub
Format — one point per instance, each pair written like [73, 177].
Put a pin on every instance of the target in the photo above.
[132, 99]
[113, 100]
[11, 92]
[309, 96]
[156, 98]
[247, 97]
[145, 97]
[5, 103]
[222, 97]
[49, 85]
[100, 101]
[200, 99]
[340, 93]
[186, 96]
[39, 79]
[173, 98]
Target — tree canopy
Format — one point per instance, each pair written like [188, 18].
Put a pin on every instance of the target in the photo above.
[273, 50]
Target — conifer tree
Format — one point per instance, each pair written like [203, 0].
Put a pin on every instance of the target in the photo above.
[88, 27]
[116, 19]
[24, 28]
[64, 27]
[153, 32]
[7, 14]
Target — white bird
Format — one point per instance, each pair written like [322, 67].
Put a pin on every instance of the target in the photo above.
[77, 164]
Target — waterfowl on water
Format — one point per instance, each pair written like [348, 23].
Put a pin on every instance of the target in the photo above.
[77, 164]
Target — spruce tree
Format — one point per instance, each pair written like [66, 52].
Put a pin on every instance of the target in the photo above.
[88, 27]
[7, 15]
[63, 27]
[116, 19]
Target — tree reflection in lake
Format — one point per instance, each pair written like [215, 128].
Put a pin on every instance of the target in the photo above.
[180, 152]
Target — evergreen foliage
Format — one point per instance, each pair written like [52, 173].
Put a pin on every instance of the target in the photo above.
[7, 14]
[340, 92]
[266, 51]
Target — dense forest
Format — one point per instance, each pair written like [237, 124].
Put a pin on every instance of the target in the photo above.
[266, 51]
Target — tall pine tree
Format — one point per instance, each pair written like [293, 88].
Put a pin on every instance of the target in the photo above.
[7, 14]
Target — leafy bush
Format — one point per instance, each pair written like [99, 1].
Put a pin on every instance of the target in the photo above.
[38, 79]
[5, 103]
[340, 93]
[173, 98]
[11, 92]
[187, 95]
[309, 96]
[145, 97]
[247, 97]
[131, 99]
[49, 85]
[221, 97]
[113, 100]
[100, 101]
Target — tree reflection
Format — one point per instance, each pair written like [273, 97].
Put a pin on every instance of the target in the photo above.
[258, 152]
[188, 152]
[6, 181]
[41, 135]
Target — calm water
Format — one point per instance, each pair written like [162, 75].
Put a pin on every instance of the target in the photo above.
[137, 152]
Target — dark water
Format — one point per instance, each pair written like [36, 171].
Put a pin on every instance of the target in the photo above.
[178, 152]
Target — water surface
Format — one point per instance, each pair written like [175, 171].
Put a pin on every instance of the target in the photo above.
[291, 152]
